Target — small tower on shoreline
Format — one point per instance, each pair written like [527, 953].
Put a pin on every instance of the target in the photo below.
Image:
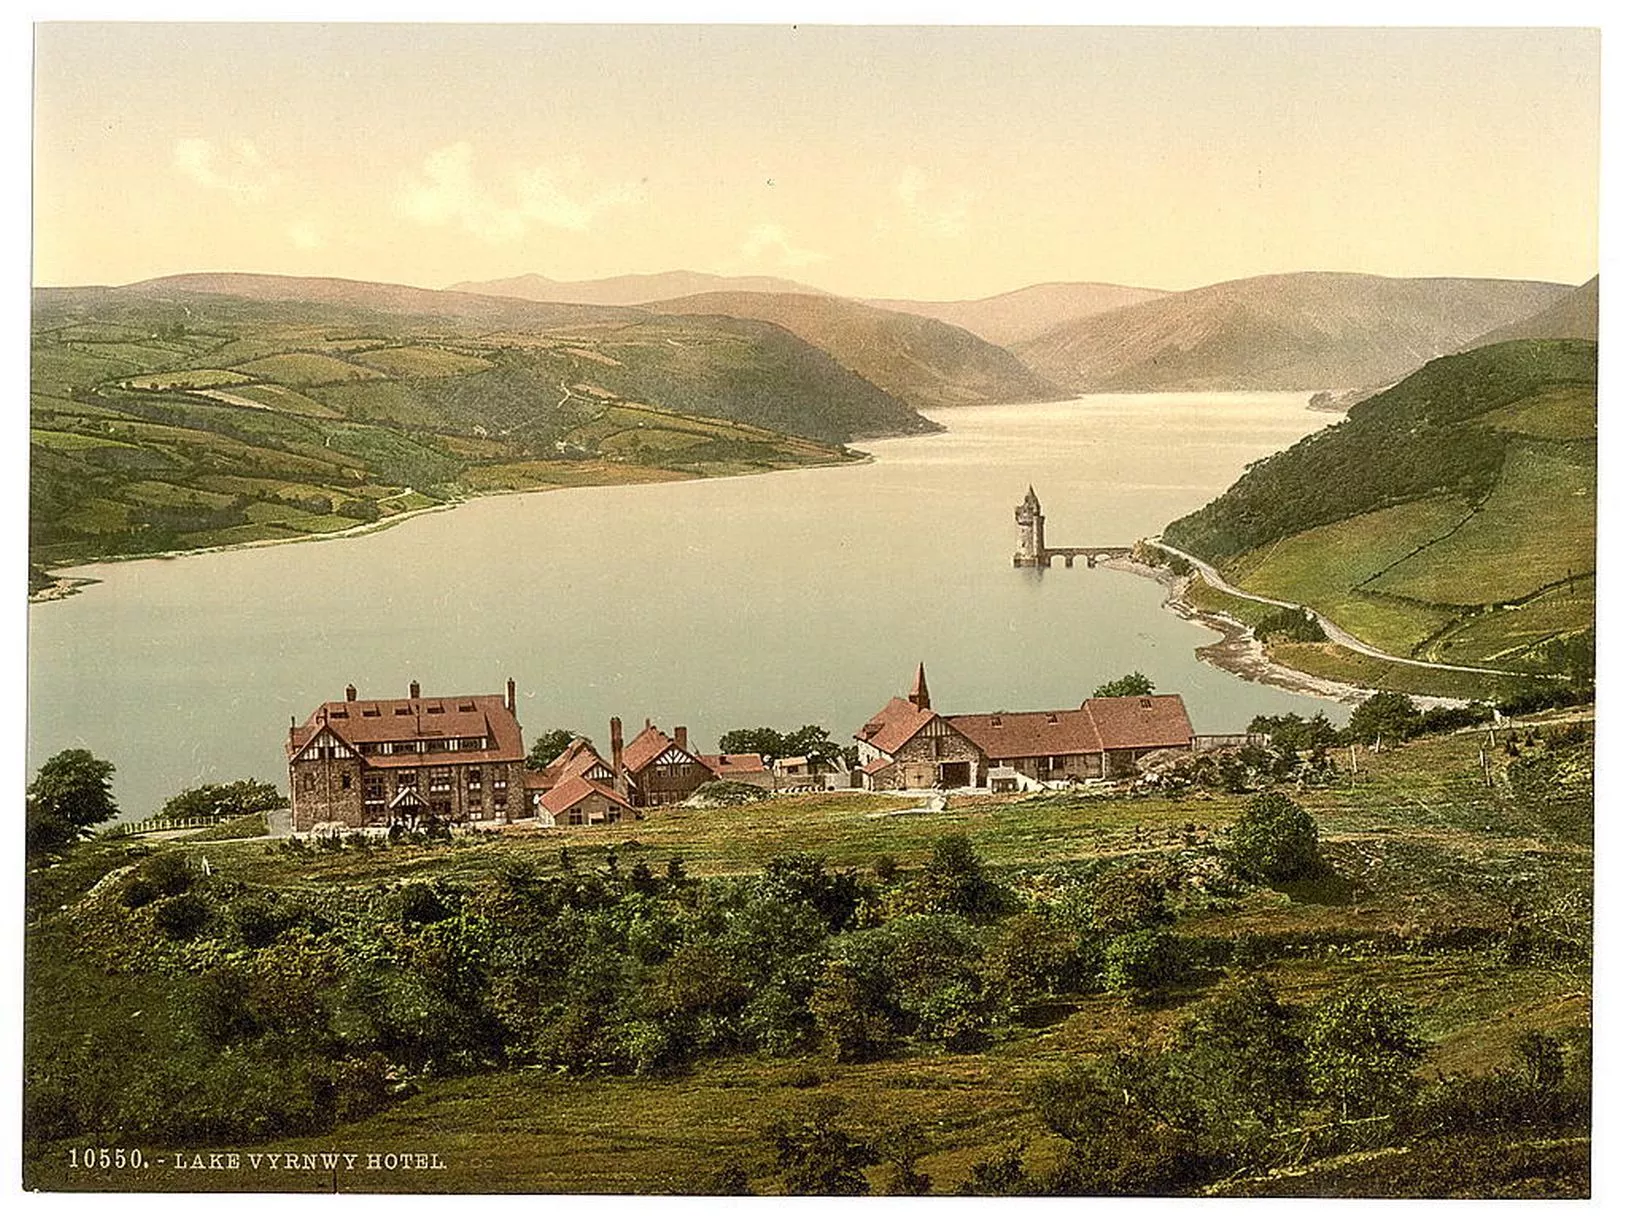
[1031, 526]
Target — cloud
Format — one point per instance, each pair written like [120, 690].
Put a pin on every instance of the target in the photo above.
[239, 171]
[447, 192]
[769, 239]
[944, 216]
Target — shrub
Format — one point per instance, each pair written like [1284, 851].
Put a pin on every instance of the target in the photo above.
[181, 917]
[1276, 840]
[169, 873]
[1145, 962]
[1297, 625]
[137, 891]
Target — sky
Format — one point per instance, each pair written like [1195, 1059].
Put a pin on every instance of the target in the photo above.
[929, 162]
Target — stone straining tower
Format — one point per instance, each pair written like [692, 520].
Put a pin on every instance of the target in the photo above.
[1031, 524]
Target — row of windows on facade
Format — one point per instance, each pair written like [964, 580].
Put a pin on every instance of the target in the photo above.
[439, 746]
[440, 780]
[575, 816]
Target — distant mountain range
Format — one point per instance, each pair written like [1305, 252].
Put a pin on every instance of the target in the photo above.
[1019, 315]
[1283, 331]
[922, 361]
[630, 290]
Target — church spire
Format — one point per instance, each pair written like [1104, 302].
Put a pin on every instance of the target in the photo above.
[918, 695]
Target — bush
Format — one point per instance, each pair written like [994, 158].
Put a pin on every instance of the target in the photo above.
[1276, 840]
[1145, 962]
[223, 801]
[181, 917]
[137, 891]
[1297, 625]
[720, 794]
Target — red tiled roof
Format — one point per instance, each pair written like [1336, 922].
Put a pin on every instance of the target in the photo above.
[576, 759]
[368, 721]
[876, 765]
[1031, 734]
[732, 764]
[644, 748]
[1137, 722]
[561, 798]
[894, 725]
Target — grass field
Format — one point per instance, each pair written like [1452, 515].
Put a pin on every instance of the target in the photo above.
[1556, 413]
[1330, 660]
[1326, 568]
[1535, 528]
[1503, 637]
[304, 370]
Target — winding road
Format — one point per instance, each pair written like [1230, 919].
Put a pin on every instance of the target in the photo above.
[1336, 634]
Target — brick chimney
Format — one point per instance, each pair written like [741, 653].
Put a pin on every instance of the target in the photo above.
[681, 737]
[412, 689]
[510, 703]
[350, 694]
[616, 746]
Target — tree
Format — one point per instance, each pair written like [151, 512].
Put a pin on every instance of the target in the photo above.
[223, 800]
[71, 793]
[953, 880]
[1276, 840]
[817, 1157]
[548, 747]
[1386, 715]
[1361, 1048]
[1130, 684]
[1241, 1055]
[810, 741]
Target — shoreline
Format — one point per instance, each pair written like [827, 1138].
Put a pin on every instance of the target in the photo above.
[64, 586]
[1238, 651]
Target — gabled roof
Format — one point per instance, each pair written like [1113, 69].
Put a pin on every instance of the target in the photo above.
[733, 764]
[649, 745]
[876, 766]
[576, 759]
[562, 797]
[1031, 734]
[363, 722]
[1137, 722]
[894, 725]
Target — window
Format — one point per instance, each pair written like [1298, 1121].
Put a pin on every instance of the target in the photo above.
[440, 805]
[373, 786]
[406, 779]
[344, 780]
[435, 747]
[474, 777]
[573, 816]
[500, 783]
[613, 813]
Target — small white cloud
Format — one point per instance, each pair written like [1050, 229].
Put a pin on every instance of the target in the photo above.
[303, 233]
[943, 215]
[239, 171]
[769, 239]
[448, 192]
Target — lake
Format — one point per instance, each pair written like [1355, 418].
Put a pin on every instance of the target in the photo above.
[800, 597]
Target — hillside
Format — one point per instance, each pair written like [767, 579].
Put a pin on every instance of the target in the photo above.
[1019, 315]
[632, 289]
[1577, 315]
[921, 361]
[164, 417]
[1450, 518]
[1283, 332]
[644, 1010]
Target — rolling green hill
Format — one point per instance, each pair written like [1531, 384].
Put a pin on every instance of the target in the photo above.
[922, 361]
[1287, 331]
[222, 409]
[1450, 518]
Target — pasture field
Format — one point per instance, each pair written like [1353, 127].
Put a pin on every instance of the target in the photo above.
[1535, 528]
[1328, 568]
[1330, 660]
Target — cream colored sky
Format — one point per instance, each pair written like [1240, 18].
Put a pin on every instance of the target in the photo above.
[928, 163]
